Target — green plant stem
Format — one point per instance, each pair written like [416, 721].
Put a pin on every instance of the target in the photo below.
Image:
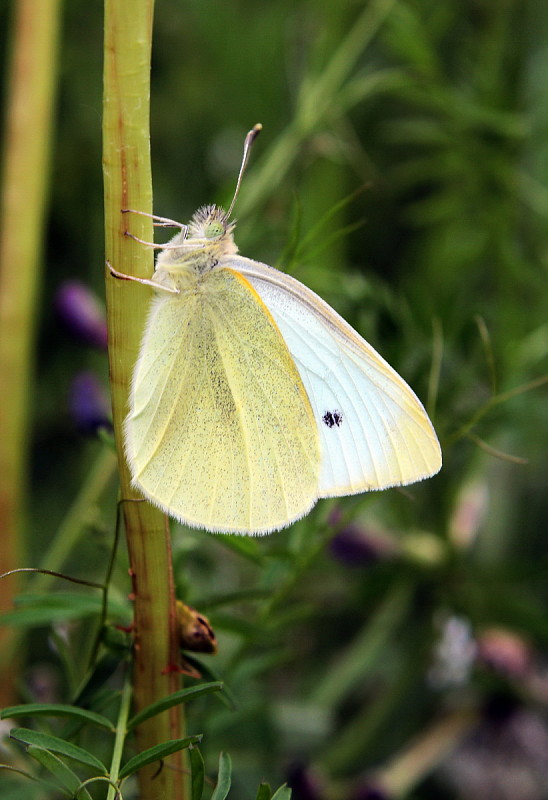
[435, 367]
[67, 535]
[496, 400]
[422, 755]
[127, 184]
[120, 738]
[365, 650]
[24, 194]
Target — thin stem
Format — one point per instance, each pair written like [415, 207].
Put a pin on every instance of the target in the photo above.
[465, 429]
[318, 101]
[120, 737]
[67, 536]
[422, 755]
[435, 368]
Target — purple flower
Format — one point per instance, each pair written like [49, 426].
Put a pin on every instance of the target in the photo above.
[89, 403]
[370, 791]
[358, 547]
[504, 757]
[81, 313]
[504, 652]
[303, 782]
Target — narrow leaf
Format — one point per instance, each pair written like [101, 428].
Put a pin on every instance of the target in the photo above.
[41, 609]
[156, 753]
[245, 546]
[230, 598]
[57, 745]
[227, 696]
[264, 792]
[60, 770]
[33, 617]
[182, 696]
[14, 792]
[198, 773]
[234, 624]
[224, 778]
[283, 793]
[63, 600]
[56, 710]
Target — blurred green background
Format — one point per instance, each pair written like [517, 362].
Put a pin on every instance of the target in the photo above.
[403, 175]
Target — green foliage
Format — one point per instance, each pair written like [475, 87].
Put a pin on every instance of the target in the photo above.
[224, 778]
[66, 777]
[55, 710]
[343, 639]
[157, 753]
[56, 745]
[183, 696]
[197, 767]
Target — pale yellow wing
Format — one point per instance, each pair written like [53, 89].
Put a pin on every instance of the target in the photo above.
[220, 432]
[374, 431]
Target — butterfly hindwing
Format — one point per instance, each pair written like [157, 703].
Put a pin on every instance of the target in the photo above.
[374, 432]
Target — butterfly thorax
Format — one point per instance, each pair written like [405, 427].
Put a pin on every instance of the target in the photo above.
[196, 249]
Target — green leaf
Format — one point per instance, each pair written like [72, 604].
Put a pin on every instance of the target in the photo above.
[226, 696]
[283, 793]
[156, 753]
[12, 790]
[230, 599]
[198, 773]
[57, 745]
[44, 609]
[245, 546]
[224, 778]
[60, 770]
[56, 710]
[235, 624]
[264, 792]
[257, 664]
[182, 696]
[92, 690]
[48, 613]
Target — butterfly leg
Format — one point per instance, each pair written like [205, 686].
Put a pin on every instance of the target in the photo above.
[163, 222]
[152, 244]
[145, 281]
[142, 241]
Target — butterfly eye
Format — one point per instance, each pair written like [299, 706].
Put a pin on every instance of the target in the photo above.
[213, 229]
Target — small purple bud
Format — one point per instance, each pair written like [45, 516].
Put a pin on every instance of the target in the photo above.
[89, 404]
[370, 791]
[358, 547]
[42, 683]
[504, 652]
[81, 313]
[303, 783]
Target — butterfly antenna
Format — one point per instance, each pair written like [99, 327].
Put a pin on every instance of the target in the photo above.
[249, 139]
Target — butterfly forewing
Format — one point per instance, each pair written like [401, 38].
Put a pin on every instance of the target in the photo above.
[220, 432]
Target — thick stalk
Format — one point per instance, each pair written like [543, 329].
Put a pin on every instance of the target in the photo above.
[127, 178]
[28, 135]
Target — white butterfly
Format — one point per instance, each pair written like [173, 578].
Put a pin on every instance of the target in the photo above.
[252, 398]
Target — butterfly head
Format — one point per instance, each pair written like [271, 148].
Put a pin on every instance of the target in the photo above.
[212, 223]
[209, 234]
[211, 227]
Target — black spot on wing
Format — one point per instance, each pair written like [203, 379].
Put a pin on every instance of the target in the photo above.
[333, 419]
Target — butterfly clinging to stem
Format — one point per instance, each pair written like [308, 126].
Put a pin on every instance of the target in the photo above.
[252, 398]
